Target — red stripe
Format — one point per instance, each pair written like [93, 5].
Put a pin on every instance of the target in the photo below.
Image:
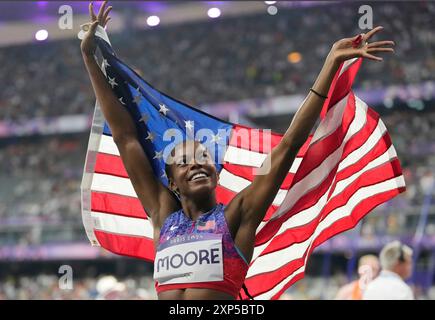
[340, 86]
[264, 282]
[358, 139]
[136, 247]
[257, 140]
[117, 204]
[110, 164]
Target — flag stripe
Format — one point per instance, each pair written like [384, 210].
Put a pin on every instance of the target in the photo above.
[136, 247]
[117, 204]
[274, 268]
[122, 225]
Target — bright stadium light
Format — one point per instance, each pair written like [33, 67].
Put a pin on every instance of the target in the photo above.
[269, 2]
[272, 10]
[214, 12]
[294, 57]
[153, 21]
[41, 35]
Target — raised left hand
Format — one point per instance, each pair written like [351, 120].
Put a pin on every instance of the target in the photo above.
[359, 46]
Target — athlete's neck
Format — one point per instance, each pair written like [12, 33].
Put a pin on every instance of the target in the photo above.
[194, 208]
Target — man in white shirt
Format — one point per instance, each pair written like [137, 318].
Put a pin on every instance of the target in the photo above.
[396, 263]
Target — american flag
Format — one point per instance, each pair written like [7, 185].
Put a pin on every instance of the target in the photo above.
[347, 167]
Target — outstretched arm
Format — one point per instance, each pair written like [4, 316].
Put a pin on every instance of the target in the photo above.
[256, 199]
[154, 196]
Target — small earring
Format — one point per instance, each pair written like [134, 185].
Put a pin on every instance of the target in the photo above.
[177, 194]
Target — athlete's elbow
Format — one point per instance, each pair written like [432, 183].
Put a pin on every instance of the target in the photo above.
[123, 139]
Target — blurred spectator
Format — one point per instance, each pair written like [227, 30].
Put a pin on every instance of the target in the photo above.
[368, 269]
[396, 262]
[46, 287]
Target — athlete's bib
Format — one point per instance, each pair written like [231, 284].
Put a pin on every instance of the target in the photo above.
[189, 258]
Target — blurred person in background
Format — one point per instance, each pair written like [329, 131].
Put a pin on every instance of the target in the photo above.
[368, 269]
[396, 263]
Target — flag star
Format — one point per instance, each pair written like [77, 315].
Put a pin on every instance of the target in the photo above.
[164, 175]
[189, 124]
[215, 138]
[163, 109]
[112, 82]
[158, 155]
[137, 99]
[120, 100]
[105, 64]
[144, 118]
[150, 136]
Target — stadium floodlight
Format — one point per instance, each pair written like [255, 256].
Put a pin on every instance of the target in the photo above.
[294, 57]
[214, 12]
[153, 21]
[272, 10]
[41, 35]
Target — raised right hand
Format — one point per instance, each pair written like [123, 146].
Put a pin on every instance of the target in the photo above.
[88, 45]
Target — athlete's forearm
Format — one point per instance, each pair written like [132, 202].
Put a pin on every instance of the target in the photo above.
[120, 121]
[308, 113]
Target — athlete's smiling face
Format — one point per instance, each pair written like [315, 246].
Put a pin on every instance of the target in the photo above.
[192, 171]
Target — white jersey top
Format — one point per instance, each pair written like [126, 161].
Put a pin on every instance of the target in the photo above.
[388, 286]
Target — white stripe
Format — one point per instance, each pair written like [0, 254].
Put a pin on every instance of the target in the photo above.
[368, 145]
[319, 174]
[88, 170]
[384, 158]
[332, 120]
[112, 184]
[237, 184]
[249, 158]
[269, 294]
[122, 225]
[346, 65]
[275, 260]
[107, 145]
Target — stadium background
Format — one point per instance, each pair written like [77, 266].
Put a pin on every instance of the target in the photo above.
[253, 65]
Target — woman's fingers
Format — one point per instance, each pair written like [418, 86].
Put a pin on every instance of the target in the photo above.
[372, 32]
[106, 13]
[374, 50]
[101, 12]
[93, 27]
[380, 43]
[91, 12]
[371, 57]
[106, 21]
